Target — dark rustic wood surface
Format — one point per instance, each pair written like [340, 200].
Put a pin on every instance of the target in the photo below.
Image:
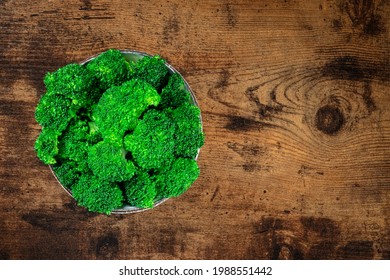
[295, 104]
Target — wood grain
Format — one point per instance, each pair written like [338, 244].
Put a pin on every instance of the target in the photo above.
[294, 98]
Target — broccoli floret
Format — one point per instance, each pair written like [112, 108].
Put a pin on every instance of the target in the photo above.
[151, 69]
[120, 107]
[189, 136]
[110, 68]
[96, 195]
[73, 143]
[75, 82]
[67, 173]
[54, 111]
[94, 136]
[46, 145]
[140, 191]
[108, 162]
[152, 143]
[178, 178]
[174, 93]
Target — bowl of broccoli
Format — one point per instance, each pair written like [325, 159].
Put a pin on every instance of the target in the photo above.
[121, 131]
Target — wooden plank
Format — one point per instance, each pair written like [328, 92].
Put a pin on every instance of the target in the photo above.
[294, 99]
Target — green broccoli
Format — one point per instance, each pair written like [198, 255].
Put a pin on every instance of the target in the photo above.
[152, 143]
[119, 130]
[120, 107]
[75, 82]
[110, 68]
[94, 136]
[97, 195]
[151, 69]
[72, 143]
[46, 145]
[67, 173]
[174, 93]
[140, 191]
[178, 178]
[75, 140]
[108, 162]
[54, 111]
[189, 136]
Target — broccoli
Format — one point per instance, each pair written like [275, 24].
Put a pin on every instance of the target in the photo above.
[75, 140]
[108, 162]
[178, 178]
[110, 68]
[174, 93]
[72, 143]
[97, 195]
[151, 69]
[152, 143]
[94, 136]
[120, 107]
[67, 173]
[140, 191]
[75, 82]
[54, 111]
[46, 145]
[119, 131]
[189, 136]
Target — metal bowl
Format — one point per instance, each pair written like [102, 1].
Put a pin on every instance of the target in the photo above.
[132, 55]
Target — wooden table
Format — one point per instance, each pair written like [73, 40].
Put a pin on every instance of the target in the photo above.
[295, 105]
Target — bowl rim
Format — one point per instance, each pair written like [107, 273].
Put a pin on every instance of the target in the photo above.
[127, 209]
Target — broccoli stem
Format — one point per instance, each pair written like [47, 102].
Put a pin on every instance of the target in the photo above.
[92, 127]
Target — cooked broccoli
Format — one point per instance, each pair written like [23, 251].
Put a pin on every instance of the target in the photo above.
[97, 195]
[152, 143]
[118, 131]
[108, 162]
[94, 136]
[67, 173]
[189, 136]
[73, 141]
[120, 107]
[46, 145]
[174, 93]
[140, 191]
[151, 69]
[178, 178]
[110, 68]
[75, 82]
[54, 111]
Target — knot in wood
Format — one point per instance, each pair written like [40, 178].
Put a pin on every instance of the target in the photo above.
[329, 119]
